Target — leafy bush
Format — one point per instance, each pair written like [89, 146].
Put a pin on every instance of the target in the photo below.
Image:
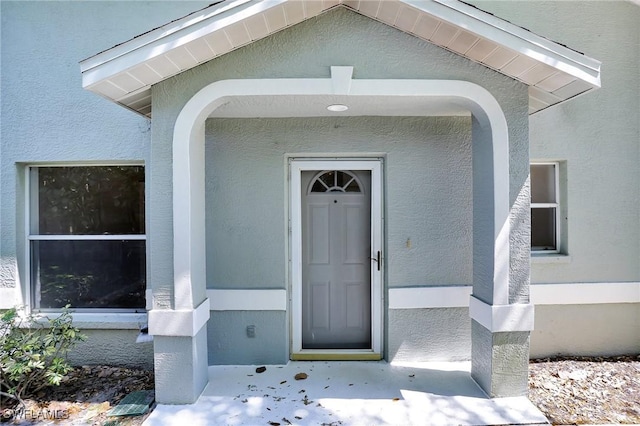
[33, 352]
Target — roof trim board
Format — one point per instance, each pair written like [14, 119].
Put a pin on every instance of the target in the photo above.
[168, 37]
[125, 73]
[514, 37]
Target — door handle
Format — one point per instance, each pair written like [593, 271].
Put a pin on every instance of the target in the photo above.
[376, 259]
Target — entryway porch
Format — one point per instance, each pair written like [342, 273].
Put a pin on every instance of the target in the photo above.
[347, 393]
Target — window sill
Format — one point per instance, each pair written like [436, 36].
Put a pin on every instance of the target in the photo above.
[103, 320]
[550, 258]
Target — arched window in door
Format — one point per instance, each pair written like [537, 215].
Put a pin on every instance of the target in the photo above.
[335, 181]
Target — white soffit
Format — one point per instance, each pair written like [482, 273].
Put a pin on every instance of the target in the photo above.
[126, 72]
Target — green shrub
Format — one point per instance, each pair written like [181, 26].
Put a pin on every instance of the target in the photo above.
[33, 351]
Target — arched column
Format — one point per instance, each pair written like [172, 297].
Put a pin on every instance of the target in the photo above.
[489, 306]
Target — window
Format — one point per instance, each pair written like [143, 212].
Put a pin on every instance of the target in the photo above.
[87, 237]
[545, 208]
[334, 181]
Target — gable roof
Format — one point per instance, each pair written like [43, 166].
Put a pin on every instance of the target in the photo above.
[125, 73]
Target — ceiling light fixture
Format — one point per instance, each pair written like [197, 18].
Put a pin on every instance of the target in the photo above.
[337, 108]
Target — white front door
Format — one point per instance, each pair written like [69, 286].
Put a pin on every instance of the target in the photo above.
[336, 216]
[336, 240]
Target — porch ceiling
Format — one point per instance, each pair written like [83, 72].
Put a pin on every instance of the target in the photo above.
[316, 106]
[125, 73]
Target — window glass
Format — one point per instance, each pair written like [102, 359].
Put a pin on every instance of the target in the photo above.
[87, 242]
[543, 228]
[543, 183]
[318, 186]
[544, 207]
[335, 181]
[89, 274]
[89, 200]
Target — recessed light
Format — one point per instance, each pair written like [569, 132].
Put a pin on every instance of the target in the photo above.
[337, 108]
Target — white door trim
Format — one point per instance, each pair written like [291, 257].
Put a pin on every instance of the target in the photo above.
[296, 167]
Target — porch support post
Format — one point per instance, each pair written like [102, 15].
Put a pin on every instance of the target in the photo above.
[180, 334]
[500, 327]
[180, 353]
[499, 361]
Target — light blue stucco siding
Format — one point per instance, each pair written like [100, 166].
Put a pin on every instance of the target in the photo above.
[595, 138]
[427, 168]
[428, 186]
[47, 117]
[427, 165]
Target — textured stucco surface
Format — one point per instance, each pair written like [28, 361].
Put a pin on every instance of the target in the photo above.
[48, 117]
[597, 139]
[428, 200]
[245, 247]
[481, 355]
[424, 335]
[428, 195]
[597, 135]
[229, 343]
[510, 367]
[610, 329]
[500, 361]
[180, 367]
[112, 347]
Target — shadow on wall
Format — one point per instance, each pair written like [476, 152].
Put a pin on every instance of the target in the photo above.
[426, 335]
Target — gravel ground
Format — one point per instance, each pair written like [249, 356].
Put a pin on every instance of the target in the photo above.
[84, 397]
[581, 390]
[574, 390]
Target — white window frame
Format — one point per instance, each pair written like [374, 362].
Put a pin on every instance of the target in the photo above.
[94, 317]
[556, 205]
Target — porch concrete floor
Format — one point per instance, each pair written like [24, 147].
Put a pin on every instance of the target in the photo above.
[346, 393]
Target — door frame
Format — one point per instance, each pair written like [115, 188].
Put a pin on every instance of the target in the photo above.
[375, 167]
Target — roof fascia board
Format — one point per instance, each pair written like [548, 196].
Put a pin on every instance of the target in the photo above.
[513, 37]
[121, 58]
[162, 42]
[157, 34]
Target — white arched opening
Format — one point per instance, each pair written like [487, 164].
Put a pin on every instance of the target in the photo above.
[489, 304]
[188, 161]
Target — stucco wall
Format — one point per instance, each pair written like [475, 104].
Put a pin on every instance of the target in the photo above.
[48, 117]
[230, 344]
[597, 137]
[419, 335]
[427, 197]
[376, 51]
[249, 153]
[112, 347]
[596, 134]
[607, 329]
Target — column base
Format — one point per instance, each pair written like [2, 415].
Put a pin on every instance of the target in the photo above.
[500, 361]
[181, 367]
